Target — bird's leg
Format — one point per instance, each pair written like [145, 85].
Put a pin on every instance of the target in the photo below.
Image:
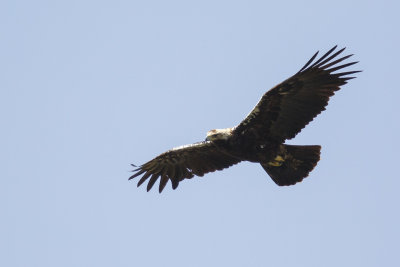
[277, 161]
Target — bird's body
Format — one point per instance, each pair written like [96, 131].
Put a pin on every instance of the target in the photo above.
[244, 147]
[280, 114]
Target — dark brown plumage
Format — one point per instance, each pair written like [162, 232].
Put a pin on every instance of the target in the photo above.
[183, 163]
[281, 113]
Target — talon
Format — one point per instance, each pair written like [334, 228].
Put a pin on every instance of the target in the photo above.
[277, 162]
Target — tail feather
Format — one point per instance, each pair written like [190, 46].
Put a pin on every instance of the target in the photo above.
[292, 164]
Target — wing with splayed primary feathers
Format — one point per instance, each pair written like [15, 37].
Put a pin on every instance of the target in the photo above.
[183, 163]
[287, 108]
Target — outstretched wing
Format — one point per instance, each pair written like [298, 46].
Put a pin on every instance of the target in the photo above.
[183, 163]
[287, 108]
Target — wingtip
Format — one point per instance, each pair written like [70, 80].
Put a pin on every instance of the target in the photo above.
[309, 62]
[174, 184]
[138, 172]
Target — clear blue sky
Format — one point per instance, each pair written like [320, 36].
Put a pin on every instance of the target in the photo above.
[88, 87]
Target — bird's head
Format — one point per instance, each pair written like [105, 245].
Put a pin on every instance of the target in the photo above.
[219, 134]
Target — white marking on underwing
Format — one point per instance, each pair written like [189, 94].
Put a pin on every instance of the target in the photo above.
[187, 146]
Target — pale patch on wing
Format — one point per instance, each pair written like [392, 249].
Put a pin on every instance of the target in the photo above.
[190, 145]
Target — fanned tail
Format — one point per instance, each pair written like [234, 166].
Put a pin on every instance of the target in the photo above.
[293, 164]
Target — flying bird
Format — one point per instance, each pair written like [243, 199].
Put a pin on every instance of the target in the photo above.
[280, 115]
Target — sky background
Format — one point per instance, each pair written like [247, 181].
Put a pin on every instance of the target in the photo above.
[88, 87]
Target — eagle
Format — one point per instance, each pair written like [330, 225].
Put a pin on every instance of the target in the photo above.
[281, 113]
